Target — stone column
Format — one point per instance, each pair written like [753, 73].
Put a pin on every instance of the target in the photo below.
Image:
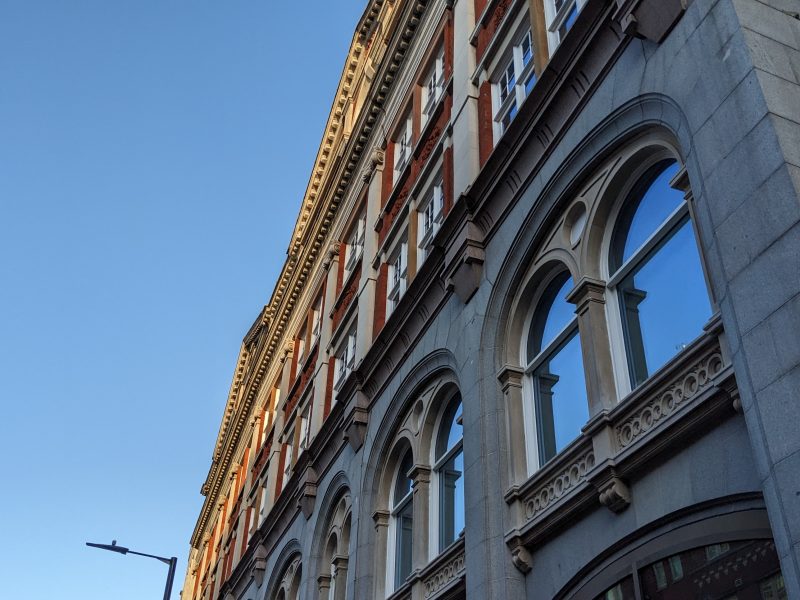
[465, 100]
[511, 385]
[324, 354]
[373, 177]
[421, 476]
[339, 576]
[381, 518]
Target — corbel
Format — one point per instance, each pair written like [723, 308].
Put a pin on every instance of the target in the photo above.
[520, 555]
[308, 492]
[464, 259]
[613, 491]
[649, 19]
[356, 419]
[259, 564]
[333, 250]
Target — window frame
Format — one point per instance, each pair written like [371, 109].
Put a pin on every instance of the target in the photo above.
[437, 545]
[354, 244]
[434, 74]
[505, 108]
[433, 199]
[556, 17]
[403, 144]
[344, 357]
[397, 283]
[396, 507]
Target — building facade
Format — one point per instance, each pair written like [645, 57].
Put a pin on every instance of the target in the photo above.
[536, 335]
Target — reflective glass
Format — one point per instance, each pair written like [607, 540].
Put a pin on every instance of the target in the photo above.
[624, 590]
[452, 499]
[553, 314]
[451, 431]
[742, 569]
[561, 404]
[664, 303]
[405, 526]
[641, 218]
[403, 482]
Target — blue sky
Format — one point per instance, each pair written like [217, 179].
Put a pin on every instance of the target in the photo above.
[153, 155]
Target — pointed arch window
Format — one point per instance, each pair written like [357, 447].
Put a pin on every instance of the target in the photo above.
[656, 274]
[555, 372]
[449, 469]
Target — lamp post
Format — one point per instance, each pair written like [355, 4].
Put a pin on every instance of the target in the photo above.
[172, 562]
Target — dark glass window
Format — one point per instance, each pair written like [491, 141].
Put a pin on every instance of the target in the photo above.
[403, 513]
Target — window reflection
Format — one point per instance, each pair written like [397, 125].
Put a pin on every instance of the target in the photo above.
[450, 470]
[660, 285]
[556, 364]
[403, 514]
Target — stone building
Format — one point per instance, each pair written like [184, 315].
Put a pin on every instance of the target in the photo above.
[537, 331]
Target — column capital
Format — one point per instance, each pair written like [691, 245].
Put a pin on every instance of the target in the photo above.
[510, 376]
[334, 248]
[587, 290]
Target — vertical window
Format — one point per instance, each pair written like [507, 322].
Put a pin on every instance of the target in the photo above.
[403, 519]
[449, 470]
[305, 423]
[354, 247]
[345, 357]
[301, 347]
[560, 16]
[431, 214]
[432, 86]
[287, 461]
[555, 369]
[514, 82]
[402, 146]
[316, 320]
[652, 244]
[398, 275]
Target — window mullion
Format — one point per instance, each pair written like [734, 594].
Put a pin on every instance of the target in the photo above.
[560, 340]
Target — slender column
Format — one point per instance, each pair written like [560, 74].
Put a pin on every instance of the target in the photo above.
[331, 267]
[339, 576]
[541, 51]
[465, 100]
[421, 476]
[381, 518]
[373, 176]
[511, 385]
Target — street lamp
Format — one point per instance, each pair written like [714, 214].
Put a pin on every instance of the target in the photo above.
[172, 562]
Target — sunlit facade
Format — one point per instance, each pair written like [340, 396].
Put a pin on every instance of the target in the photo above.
[536, 334]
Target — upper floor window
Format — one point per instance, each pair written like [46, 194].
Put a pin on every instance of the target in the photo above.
[431, 215]
[402, 145]
[555, 371]
[305, 426]
[652, 243]
[354, 247]
[449, 469]
[345, 357]
[289, 586]
[287, 458]
[432, 86]
[316, 319]
[398, 275]
[513, 83]
[560, 15]
[301, 346]
[402, 519]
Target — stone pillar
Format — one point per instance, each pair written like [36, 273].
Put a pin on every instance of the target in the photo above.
[589, 299]
[541, 51]
[511, 385]
[324, 586]
[381, 518]
[339, 576]
[421, 476]
[369, 275]
[465, 100]
[324, 354]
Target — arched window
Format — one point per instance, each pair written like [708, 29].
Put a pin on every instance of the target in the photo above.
[656, 273]
[555, 370]
[449, 468]
[289, 585]
[332, 578]
[403, 519]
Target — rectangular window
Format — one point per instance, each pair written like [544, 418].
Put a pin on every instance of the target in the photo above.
[305, 424]
[316, 320]
[287, 462]
[514, 82]
[301, 348]
[432, 86]
[354, 247]
[431, 215]
[398, 275]
[560, 16]
[345, 358]
[402, 146]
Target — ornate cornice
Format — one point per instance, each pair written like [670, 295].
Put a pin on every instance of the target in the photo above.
[328, 185]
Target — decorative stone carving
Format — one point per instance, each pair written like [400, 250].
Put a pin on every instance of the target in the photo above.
[665, 403]
[464, 261]
[520, 556]
[308, 494]
[356, 419]
[615, 495]
[447, 573]
[649, 19]
[333, 250]
[559, 485]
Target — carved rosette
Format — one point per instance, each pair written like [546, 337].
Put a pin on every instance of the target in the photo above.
[451, 571]
[553, 489]
[685, 387]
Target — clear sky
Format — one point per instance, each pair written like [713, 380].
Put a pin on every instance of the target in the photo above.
[153, 154]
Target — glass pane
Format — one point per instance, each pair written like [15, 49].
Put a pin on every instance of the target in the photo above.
[639, 220]
[739, 570]
[405, 525]
[553, 314]
[664, 304]
[451, 430]
[561, 404]
[624, 590]
[402, 485]
[451, 491]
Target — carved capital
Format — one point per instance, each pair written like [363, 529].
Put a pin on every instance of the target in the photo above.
[585, 291]
[333, 251]
[381, 518]
[324, 584]
[615, 495]
[376, 159]
[420, 475]
[510, 377]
